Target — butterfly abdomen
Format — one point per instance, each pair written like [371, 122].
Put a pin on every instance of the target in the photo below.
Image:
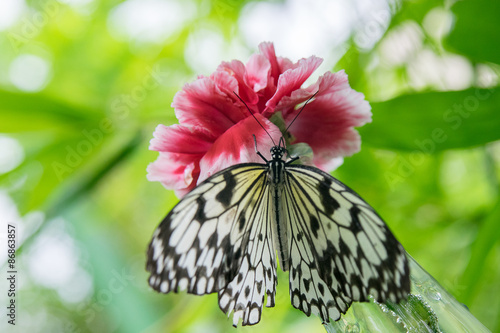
[276, 174]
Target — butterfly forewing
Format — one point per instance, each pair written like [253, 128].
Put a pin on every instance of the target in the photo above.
[219, 239]
[341, 250]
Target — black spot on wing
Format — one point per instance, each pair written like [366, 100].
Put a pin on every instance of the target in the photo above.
[225, 195]
[259, 287]
[328, 202]
[241, 221]
[307, 284]
[237, 254]
[213, 241]
[344, 248]
[355, 225]
[200, 213]
[314, 225]
[321, 289]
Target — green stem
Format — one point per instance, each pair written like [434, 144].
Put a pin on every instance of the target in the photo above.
[429, 308]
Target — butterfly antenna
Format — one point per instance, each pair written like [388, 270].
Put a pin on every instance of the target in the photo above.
[301, 110]
[257, 120]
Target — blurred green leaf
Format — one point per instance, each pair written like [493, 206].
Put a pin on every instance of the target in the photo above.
[476, 30]
[353, 62]
[414, 10]
[118, 282]
[487, 238]
[113, 152]
[31, 112]
[435, 121]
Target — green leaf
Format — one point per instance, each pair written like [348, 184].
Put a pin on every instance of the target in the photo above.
[414, 11]
[120, 282]
[476, 30]
[114, 151]
[435, 121]
[487, 237]
[429, 308]
[20, 112]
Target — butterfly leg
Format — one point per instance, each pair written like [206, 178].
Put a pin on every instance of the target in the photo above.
[256, 150]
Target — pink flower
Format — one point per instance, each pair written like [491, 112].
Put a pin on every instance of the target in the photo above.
[215, 129]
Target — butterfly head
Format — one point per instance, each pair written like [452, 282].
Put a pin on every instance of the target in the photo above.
[278, 151]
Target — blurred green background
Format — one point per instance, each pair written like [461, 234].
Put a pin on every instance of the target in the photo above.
[83, 84]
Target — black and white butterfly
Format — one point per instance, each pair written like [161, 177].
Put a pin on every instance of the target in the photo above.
[223, 237]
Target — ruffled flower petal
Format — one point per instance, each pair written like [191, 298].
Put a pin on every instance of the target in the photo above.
[333, 114]
[178, 139]
[181, 149]
[267, 50]
[293, 79]
[237, 145]
[203, 104]
[258, 72]
[174, 173]
[237, 71]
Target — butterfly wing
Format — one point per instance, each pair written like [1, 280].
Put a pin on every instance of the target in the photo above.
[340, 249]
[218, 239]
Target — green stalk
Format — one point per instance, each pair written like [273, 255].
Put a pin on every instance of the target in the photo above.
[429, 308]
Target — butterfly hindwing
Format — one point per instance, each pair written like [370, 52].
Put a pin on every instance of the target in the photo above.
[218, 239]
[340, 249]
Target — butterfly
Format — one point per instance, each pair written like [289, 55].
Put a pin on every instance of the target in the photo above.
[226, 235]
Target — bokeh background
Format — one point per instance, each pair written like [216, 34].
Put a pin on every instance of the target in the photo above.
[83, 84]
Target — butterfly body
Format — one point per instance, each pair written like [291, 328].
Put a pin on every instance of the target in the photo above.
[223, 237]
[276, 175]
